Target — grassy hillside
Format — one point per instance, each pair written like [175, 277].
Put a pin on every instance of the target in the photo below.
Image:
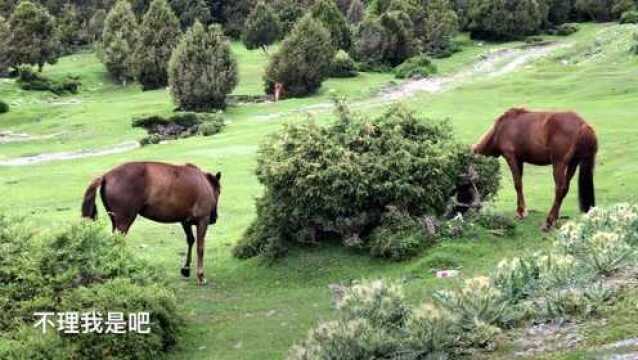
[253, 311]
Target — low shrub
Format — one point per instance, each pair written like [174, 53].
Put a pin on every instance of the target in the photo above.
[30, 81]
[4, 107]
[567, 29]
[418, 66]
[178, 126]
[343, 66]
[344, 177]
[534, 39]
[494, 222]
[398, 236]
[79, 268]
[629, 17]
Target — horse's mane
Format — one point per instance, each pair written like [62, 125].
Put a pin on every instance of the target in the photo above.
[513, 112]
[484, 144]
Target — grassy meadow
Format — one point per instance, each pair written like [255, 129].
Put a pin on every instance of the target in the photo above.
[250, 310]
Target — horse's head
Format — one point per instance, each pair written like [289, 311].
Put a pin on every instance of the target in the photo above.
[215, 183]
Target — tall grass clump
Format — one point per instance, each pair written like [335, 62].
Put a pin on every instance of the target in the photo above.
[342, 181]
[79, 269]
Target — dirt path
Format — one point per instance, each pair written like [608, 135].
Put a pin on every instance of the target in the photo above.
[496, 63]
[70, 155]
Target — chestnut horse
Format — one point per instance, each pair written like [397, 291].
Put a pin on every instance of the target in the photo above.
[561, 139]
[160, 192]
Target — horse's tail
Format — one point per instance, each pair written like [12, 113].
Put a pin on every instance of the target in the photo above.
[588, 146]
[89, 210]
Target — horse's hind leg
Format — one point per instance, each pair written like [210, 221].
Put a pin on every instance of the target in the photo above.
[562, 176]
[516, 167]
[201, 235]
[190, 240]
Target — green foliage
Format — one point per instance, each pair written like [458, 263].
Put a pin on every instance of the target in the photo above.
[30, 343]
[386, 41]
[603, 10]
[629, 17]
[4, 107]
[262, 27]
[69, 29]
[345, 176]
[355, 12]
[327, 12]
[503, 19]
[440, 26]
[96, 25]
[233, 16]
[566, 29]
[559, 11]
[302, 61]
[31, 81]
[177, 126]
[343, 66]
[191, 11]
[119, 41]
[418, 66]
[212, 126]
[398, 236]
[33, 35]
[202, 69]
[5, 36]
[159, 35]
[288, 12]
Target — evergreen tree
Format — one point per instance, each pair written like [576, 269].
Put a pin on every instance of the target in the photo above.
[119, 40]
[356, 12]
[190, 11]
[69, 28]
[262, 27]
[159, 34]
[505, 19]
[4, 44]
[386, 41]
[33, 35]
[441, 24]
[333, 20]
[288, 11]
[234, 16]
[303, 59]
[202, 69]
[96, 25]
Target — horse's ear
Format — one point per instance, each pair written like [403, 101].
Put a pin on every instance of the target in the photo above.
[218, 175]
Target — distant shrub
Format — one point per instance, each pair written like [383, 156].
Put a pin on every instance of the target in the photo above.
[302, 61]
[343, 66]
[346, 174]
[30, 81]
[119, 41]
[566, 29]
[441, 24]
[603, 10]
[4, 107]
[177, 126]
[398, 236]
[629, 17]
[202, 69]
[355, 12]
[262, 27]
[503, 20]
[418, 66]
[327, 12]
[386, 41]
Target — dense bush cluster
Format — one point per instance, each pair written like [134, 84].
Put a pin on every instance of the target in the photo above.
[177, 126]
[119, 41]
[339, 181]
[28, 80]
[262, 27]
[503, 19]
[418, 66]
[80, 268]
[374, 320]
[343, 66]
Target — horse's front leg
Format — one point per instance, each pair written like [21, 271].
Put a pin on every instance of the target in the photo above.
[516, 167]
[561, 180]
[190, 240]
[202, 226]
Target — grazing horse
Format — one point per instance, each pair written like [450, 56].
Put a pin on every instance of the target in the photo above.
[160, 192]
[561, 139]
[279, 92]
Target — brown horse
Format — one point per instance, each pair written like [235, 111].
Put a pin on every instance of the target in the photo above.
[160, 192]
[561, 139]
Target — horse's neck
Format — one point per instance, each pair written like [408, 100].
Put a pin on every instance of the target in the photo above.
[486, 144]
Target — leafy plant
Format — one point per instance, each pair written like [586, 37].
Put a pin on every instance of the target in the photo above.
[343, 66]
[418, 66]
[4, 107]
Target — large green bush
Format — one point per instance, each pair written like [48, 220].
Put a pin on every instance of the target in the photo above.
[302, 61]
[327, 12]
[78, 268]
[202, 69]
[119, 40]
[343, 66]
[159, 34]
[629, 17]
[418, 66]
[505, 19]
[262, 27]
[441, 24]
[322, 182]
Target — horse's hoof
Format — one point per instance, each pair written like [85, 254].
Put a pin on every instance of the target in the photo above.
[521, 215]
[201, 282]
[186, 272]
[546, 227]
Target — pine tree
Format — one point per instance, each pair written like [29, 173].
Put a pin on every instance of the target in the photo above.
[333, 20]
[190, 11]
[33, 34]
[4, 44]
[262, 27]
[96, 25]
[441, 24]
[504, 19]
[288, 11]
[119, 40]
[159, 35]
[202, 69]
[303, 59]
[69, 28]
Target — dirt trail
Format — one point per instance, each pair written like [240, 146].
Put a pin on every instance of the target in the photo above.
[495, 63]
[70, 155]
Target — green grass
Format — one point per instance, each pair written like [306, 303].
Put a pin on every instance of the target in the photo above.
[253, 311]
